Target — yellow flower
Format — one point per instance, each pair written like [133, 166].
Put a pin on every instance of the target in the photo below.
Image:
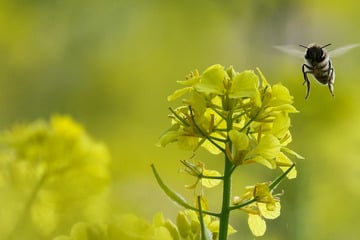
[243, 117]
[51, 165]
[189, 225]
[208, 178]
[264, 206]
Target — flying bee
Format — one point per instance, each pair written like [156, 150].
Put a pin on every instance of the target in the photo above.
[318, 63]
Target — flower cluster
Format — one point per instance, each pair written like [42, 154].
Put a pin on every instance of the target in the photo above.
[225, 108]
[51, 167]
[131, 227]
[247, 120]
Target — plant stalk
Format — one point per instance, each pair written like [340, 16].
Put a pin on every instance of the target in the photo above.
[228, 169]
[225, 209]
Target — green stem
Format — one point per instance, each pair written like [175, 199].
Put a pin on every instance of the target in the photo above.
[277, 181]
[225, 208]
[211, 177]
[206, 136]
[178, 117]
[242, 204]
[201, 219]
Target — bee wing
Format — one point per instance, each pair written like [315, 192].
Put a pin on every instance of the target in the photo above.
[341, 50]
[291, 50]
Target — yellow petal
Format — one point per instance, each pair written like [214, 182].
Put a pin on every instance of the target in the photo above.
[214, 227]
[284, 163]
[210, 183]
[187, 143]
[211, 148]
[270, 214]
[245, 84]
[266, 162]
[287, 150]
[178, 93]
[239, 140]
[257, 225]
[280, 95]
[269, 147]
[212, 80]
[281, 125]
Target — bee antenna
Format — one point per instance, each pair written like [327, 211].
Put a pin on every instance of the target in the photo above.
[326, 45]
[303, 46]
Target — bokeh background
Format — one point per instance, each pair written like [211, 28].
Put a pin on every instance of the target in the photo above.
[111, 64]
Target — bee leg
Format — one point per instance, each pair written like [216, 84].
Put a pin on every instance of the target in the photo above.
[306, 79]
[331, 81]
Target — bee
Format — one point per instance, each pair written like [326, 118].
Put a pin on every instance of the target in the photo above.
[318, 63]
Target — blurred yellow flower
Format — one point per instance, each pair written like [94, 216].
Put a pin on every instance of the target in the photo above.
[49, 170]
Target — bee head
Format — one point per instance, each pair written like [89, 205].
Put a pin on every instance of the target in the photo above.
[315, 53]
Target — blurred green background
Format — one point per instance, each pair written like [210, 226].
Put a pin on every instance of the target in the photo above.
[111, 64]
